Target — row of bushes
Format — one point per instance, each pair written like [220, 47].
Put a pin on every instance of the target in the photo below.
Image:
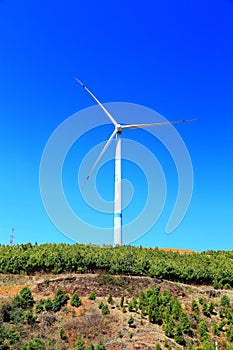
[214, 268]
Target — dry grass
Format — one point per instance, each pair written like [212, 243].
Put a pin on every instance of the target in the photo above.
[88, 320]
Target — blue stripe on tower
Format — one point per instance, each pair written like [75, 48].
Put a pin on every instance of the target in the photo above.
[117, 215]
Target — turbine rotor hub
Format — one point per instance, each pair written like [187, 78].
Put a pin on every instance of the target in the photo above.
[119, 128]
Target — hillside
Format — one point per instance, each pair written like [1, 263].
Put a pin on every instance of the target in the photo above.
[211, 267]
[125, 311]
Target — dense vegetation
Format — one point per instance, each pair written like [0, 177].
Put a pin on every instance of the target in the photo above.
[163, 309]
[211, 267]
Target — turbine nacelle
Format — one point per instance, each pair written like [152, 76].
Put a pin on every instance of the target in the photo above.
[118, 128]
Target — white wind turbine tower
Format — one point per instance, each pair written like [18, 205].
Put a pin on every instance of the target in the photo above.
[117, 186]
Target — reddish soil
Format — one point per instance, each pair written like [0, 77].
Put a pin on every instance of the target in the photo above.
[178, 250]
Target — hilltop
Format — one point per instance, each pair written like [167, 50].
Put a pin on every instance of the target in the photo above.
[114, 310]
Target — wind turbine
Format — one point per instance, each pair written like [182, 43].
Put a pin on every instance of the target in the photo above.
[119, 128]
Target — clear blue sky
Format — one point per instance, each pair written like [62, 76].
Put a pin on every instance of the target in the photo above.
[173, 57]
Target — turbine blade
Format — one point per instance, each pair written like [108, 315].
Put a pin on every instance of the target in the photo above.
[135, 126]
[98, 102]
[107, 144]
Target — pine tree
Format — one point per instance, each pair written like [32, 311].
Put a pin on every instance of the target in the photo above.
[178, 335]
[100, 305]
[75, 300]
[100, 346]
[229, 333]
[62, 334]
[92, 296]
[130, 307]
[59, 300]
[122, 301]
[130, 321]
[79, 344]
[211, 307]
[26, 298]
[33, 344]
[185, 324]
[48, 304]
[2, 335]
[215, 329]
[110, 299]
[29, 317]
[195, 307]
[105, 309]
[176, 309]
[225, 301]
[90, 347]
[205, 309]
[203, 330]
[134, 304]
[13, 337]
[169, 329]
[39, 308]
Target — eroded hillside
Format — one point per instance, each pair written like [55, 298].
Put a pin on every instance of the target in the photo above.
[126, 312]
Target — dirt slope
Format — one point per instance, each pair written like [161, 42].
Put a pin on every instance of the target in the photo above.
[88, 320]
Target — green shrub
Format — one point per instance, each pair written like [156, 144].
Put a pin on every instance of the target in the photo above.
[100, 305]
[176, 309]
[92, 296]
[195, 307]
[17, 316]
[90, 347]
[35, 344]
[13, 336]
[134, 304]
[205, 309]
[105, 310]
[225, 301]
[75, 300]
[130, 321]
[215, 329]
[62, 334]
[79, 344]
[222, 324]
[201, 300]
[227, 286]
[211, 307]
[16, 303]
[169, 329]
[5, 308]
[100, 346]
[39, 308]
[26, 298]
[48, 304]
[203, 331]
[130, 307]
[185, 324]
[110, 299]
[60, 299]
[178, 335]
[229, 334]
[29, 317]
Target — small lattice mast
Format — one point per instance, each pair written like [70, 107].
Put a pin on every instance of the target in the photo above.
[12, 236]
